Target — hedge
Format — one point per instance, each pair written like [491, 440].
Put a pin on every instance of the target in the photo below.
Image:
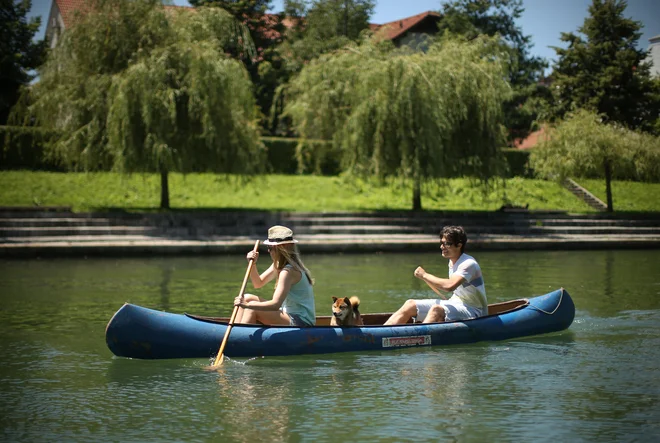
[518, 161]
[311, 157]
[18, 150]
[21, 147]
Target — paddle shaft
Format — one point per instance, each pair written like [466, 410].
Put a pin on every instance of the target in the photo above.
[220, 357]
[435, 290]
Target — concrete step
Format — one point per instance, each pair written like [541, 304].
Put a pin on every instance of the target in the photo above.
[74, 239]
[54, 222]
[584, 195]
[75, 231]
[476, 229]
[152, 231]
[409, 221]
[298, 223]
[317, 244]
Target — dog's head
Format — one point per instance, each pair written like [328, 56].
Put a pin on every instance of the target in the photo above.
[341, 307]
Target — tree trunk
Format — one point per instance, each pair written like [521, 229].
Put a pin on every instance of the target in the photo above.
[164, 191]
[608, 185]
[346, 18]
[417, 182]
[417, 195]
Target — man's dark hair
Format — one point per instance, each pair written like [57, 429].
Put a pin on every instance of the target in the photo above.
[455, 235]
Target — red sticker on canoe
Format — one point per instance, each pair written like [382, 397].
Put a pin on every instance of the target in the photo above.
[417, 340]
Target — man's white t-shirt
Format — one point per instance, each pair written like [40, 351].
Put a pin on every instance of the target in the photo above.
[472, 292]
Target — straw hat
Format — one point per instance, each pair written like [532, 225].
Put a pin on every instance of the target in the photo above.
[279, 235]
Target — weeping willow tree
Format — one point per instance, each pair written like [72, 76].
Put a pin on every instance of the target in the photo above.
[419, 116]
[137, 87]
[584, 146]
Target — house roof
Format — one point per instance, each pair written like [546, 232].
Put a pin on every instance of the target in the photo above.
[391, 30]
[68, 9]
[397, 28]
[531, 140]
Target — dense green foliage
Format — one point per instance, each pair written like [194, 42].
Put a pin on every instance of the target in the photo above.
[99, 191]
[267, 31]
[417, 116]
[584, 146]
[328, 19]
[140, 88]
[23, 148]
[295, 156]
[321, 26]
[316, 27]
[517, 162]
[602, 70]
[19, 54]
[471, 18]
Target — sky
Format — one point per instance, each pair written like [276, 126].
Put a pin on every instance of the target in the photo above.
[543, 20]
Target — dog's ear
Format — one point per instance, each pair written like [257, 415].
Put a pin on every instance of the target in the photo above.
[347, 301]
[334, 299]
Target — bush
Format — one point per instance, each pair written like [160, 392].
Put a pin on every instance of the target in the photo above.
[23, 148]
[518, 162]
[281, 154]
[295, 156]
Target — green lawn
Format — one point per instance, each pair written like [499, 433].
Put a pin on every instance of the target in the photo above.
[101, 191]
[627, 196]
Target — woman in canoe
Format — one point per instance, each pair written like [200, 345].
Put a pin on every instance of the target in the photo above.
[293, 299]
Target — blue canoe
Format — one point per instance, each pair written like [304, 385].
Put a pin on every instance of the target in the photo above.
[138, 332]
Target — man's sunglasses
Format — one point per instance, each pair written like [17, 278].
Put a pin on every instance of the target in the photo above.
[446, 244]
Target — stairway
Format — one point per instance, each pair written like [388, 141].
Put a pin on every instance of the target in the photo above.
[584, 195]
[34, 232]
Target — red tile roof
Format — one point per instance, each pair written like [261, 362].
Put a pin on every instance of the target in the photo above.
[68, 9]
[532, 139]
[390, 31]
[397, 28]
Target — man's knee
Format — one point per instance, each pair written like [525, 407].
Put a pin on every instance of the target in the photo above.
[437, 312]
[410, 307]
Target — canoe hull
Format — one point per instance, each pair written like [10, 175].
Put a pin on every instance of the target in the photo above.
[143, 333]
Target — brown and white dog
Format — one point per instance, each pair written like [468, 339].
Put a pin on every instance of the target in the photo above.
[345, 312]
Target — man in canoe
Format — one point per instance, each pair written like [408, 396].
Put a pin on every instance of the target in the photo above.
[465, 280]
[293, 299]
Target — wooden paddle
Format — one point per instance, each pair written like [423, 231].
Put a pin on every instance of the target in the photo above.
[430, 285]
[435, 290]
[220, 357]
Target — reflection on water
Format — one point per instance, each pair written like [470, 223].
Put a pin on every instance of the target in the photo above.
[596, 381]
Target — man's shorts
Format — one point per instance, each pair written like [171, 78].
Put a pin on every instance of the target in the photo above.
[454, 309]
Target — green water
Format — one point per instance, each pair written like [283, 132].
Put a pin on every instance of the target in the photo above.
[598, 381]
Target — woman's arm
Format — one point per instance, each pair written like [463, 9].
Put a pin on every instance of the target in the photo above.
[260, 280]
[288, 278]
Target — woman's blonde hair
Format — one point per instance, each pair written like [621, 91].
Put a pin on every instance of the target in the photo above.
[288, 254]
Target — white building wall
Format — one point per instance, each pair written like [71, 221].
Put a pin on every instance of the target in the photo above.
[55, 25]
[654, 56]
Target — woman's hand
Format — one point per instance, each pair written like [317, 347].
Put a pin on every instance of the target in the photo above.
[240, 302]
[253, 255]
[419, 272]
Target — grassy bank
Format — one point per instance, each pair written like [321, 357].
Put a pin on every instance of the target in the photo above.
[627, 196]
[102, 191]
